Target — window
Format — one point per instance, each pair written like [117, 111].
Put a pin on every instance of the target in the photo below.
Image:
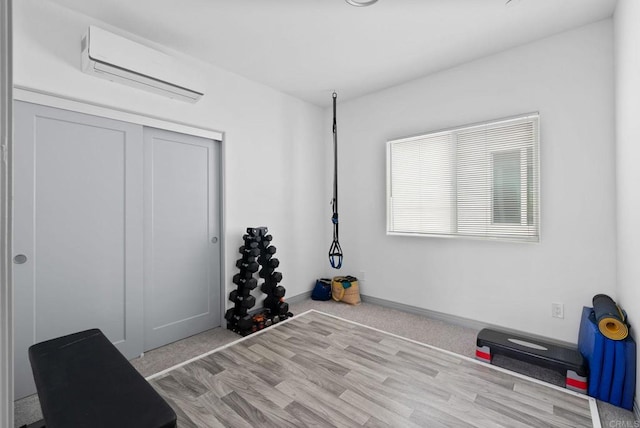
[475, 181]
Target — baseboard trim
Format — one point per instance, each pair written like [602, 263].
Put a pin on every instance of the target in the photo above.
[298, 297]
[636, 411]
[454, 319]
[451, 319]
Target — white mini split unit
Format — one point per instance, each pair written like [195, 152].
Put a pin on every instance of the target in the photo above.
[118, 59]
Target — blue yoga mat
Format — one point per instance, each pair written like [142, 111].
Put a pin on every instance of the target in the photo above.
[629, 389]
[619, 367]
[612, 363]
[591, 346]
[606, 377]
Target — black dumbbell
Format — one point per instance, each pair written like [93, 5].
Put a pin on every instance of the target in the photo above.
[279, 291]
[276, 277]
[266, 241]
[240, 295]
[266, 288]
[246, 302]
[249, 251]
[262, 231]
[240, 311]
[272, 263]
[244, 274]
[242, 292]
[270, 301]
[246, 258]
[283, 308]
[248, 238]
[247, 266]
[229, 314]
[245, 279]
[276, 305]
[264, 259]
[265, 272]
[244, 322]
[250, 243]
[269, 250]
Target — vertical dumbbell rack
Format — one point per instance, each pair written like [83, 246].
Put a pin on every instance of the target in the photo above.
[257, 256]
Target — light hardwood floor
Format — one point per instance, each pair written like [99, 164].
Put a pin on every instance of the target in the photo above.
[317, 370]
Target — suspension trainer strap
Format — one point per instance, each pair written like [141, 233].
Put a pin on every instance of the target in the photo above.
[335, 251]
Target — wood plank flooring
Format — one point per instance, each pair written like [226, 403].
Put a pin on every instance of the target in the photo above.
[319, 371]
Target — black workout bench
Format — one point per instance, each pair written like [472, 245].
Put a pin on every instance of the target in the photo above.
[560, 358]
[84, 381]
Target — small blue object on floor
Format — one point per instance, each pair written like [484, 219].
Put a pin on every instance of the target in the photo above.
[563, 359]
[322, 289]
[612, 363]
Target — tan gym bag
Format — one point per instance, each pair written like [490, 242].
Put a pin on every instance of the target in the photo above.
[345, 289]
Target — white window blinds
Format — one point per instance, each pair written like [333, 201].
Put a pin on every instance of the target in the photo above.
[476, 181]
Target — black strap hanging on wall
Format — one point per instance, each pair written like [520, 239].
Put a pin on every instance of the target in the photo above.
[335, 251]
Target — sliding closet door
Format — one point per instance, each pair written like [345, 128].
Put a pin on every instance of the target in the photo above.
[182, 230]
[77, 242]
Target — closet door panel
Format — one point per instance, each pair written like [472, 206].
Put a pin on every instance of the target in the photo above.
[182, 264]
[79, 203]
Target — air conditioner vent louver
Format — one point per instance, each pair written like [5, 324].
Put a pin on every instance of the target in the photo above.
[118, 59]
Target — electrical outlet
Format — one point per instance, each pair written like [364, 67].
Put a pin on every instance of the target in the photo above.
[557, 310]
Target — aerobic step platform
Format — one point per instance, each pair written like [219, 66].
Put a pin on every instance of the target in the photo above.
[565, 360]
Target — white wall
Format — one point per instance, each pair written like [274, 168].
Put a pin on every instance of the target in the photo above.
[568, 78]
[627, 74]
[273, 149]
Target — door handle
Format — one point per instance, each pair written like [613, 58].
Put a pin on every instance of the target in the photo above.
[20, 259]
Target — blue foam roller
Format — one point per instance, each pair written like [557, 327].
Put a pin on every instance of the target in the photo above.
[606, 377]
[619, 367]
[591, 346]
[629, 389]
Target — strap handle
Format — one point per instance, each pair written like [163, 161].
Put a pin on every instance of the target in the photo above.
[335, 251]
[335, 255]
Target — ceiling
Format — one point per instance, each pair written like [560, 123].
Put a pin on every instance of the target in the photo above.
[308, 48]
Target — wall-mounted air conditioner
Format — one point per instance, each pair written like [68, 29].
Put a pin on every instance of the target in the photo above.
[118, 59]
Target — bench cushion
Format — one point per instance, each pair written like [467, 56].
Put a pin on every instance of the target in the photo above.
[84, 381]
